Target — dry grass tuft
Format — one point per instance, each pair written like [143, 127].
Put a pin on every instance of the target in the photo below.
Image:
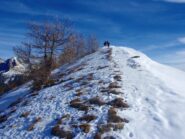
[31, 127]
[96, 101]
[85, 127]
[135, 57]
[117, 78]
[87, 118]
[25, 114]
[76, 103]
[114, 85]
[104, 90]
[90, 76]
[112, 111]
[118, 126]
[79, 92]
[103, 128]
[57, 131]
[49, 82]
[114, 91]
[113, 118]
[77, 100]
[110, 126]
[118, 103]
[109, 137]
[102, 67]
[64, 117]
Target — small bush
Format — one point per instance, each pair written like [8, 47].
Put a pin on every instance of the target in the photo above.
[87, 118]
[37, 85]
[96, 101]
[85, 128]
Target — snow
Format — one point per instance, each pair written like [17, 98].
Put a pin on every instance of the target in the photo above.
[156, 95]
[153, 91]
[13, 95]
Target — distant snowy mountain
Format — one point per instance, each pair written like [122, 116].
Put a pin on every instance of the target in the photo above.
[1, 60]
[116, 93]
[10, 68]
[11, 64]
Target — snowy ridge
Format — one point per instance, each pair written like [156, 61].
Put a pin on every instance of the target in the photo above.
[154, 93]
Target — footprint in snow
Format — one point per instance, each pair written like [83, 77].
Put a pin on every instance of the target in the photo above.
[131, 134]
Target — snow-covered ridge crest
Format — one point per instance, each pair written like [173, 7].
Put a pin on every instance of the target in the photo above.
[174, 78]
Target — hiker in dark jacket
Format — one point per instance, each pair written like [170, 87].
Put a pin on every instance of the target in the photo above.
[106, 44]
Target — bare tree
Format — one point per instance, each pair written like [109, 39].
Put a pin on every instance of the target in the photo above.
[24, 53]
[92, 44]
[48, 39]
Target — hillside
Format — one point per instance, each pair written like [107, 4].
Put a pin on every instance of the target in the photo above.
[114, 93]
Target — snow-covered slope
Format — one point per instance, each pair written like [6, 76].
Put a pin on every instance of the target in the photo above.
[154, 92]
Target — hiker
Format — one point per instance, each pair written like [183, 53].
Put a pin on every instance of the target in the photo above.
[106, 44]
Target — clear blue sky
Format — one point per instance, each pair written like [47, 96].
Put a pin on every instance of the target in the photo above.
[156, 27]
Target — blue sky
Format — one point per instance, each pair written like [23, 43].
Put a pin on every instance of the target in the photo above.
[155, 27]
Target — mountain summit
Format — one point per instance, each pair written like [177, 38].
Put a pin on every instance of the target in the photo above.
[11, 64]
[114, 93]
